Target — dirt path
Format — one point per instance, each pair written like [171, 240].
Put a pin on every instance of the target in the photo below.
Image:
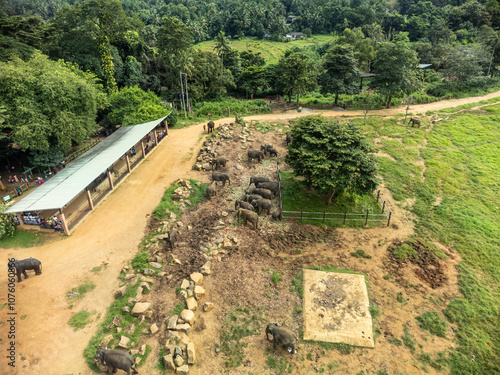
[45, 344]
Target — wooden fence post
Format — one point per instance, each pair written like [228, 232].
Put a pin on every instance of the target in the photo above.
[366, 221]
[378, 195]
[345, 215]
[389, 220]
[383, 207]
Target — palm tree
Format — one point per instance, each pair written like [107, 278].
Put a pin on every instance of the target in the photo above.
[221, 45]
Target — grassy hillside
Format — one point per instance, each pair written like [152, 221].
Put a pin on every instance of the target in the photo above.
[452, 171]
[269, 50]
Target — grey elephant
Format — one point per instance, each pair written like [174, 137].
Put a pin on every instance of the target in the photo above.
[277, 215]
[172, 237]
[115, 360]
[25, 265]
[264, 193]
[211, 190]
[281, 335]
[415, 121]
[211, 126]
[265, 148]
[252, 154]
[219, 162]
[223, 177]
[252, 197]
[269, 185]
[288, 138]
[251, 189]
[262, 205]
[257, 180]
[249, 216]
[272, 152]
[241, 204]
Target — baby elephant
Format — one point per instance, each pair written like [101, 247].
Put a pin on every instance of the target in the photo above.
[211, 126]
[219, 162]
[281, 335]
[250, 216]
[265, 148]
[414, 121]
[221, 177]
[172, 237]
[272, 152]
[241, 204]
[115, 360]
[288, 138]
[211, 190]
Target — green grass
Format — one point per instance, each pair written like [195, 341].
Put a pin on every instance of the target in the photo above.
[80, 291]
[80, 319]
[361, 254]
[298, 285]
[297, 197]
[22, 239]
[167, 201]
[407, 339]
[271, 51]
[432, 322]
[239, 323]
[276, 278]
[279, 364]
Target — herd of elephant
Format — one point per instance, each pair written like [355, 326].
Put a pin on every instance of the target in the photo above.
[116, 360]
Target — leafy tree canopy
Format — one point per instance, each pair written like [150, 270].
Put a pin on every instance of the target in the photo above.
[48, 103]
[132, 106]
[332, 156]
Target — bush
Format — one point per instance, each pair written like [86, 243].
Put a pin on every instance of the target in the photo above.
[431, 321]
[438, 89]
[172, 118]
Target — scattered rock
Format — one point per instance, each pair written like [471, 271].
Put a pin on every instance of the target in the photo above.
[168, 362]
[191, 355]
[145, 285]
[154, 328]
[126, 309]
[138, 296]
[207, 166]
[224, 213]
[207, 306]
[130, 329]
[227, 244]
[188, 316]
[185, 284]
[142, 318]
[205, 269]
[155, 265]
[116, 322]
[140, 308]
[199, 292]
[173, 216]
[218, 240]
[137, 360]
[177, 352]
[169, 349]
[179, 361]
[148, 271]
[129, 276]
[184, 338]
[134, 351]
[121, 291]
[142, 350]
[183, 328]
[118, 329]
[192, 304]
[172, 322]
[182, 370]
[188, 202]
[239, 167]
[124, 340]
[106, 340]
[197, 278]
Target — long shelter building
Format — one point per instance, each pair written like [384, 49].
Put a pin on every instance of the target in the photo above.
[75, 191]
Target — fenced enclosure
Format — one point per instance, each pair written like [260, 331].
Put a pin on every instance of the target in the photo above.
[384, 215]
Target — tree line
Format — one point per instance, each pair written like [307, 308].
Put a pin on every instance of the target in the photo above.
[68, 67]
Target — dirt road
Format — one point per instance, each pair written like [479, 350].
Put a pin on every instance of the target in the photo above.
[45, 344]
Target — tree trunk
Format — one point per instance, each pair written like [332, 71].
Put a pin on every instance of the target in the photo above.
[331, 197]
[298, 96]
[289, 96]
[336, 98]
[389, 103]
[251, 96]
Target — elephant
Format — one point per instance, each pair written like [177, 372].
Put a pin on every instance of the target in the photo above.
[250, 216]
[262, 204]
[245, 205]
[251, 189]
[211, 190]
[172, 237]
[252, 197]
[264, 193]
[272, 152]
[211, 126]
[281, 335]
[257, 180]
[414, 121]
[115, 360]
[288, 138]
[219, 162]
[277, 215]
[252, 154]
[265, 148]
[27, 264]
[269, 185]
[221, 177]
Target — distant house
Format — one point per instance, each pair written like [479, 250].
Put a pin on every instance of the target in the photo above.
[290, 19]
[294, 35]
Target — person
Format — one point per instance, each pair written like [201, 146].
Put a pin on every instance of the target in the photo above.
[63, 163]
[19, 191]
[45, 176]
[43, 223]
[54, 170]
[16, 179]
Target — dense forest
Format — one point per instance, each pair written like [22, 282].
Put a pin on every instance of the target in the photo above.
[70, 66]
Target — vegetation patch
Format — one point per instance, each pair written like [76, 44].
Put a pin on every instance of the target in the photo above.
[361, 254]
[298, 284]
[168, 204]
[432, 322]
[280, 365]
[80, 320]
[23, 239]
[80, 291]
[239, 323]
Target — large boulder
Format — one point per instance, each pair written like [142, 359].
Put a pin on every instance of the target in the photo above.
[172, 322]
[191, 355]
[140, 308]
[197, 278]
[168, 362]
[192, 304]
[188, 316]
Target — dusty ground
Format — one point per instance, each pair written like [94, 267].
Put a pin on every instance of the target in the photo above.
[45, 344]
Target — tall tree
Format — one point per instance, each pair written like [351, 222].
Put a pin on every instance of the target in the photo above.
[395, 67]
[296, 73]
[341, 73]
[221, 45]
[254, 77]
[332, 156]
[63, 110]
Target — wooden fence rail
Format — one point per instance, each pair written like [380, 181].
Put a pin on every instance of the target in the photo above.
[342, 216]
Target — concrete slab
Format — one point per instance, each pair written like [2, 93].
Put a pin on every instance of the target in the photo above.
[336, 308]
